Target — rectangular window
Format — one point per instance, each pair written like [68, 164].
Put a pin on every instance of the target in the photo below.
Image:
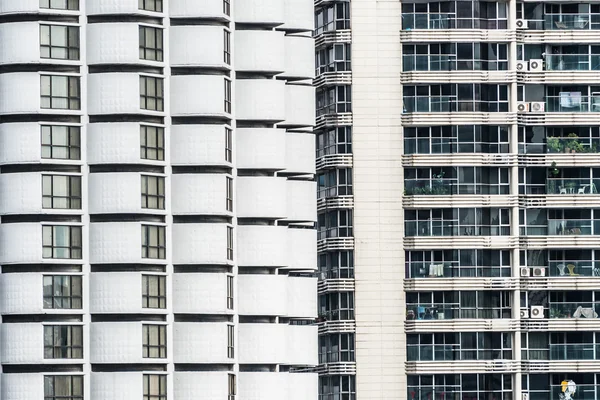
[229, 195]
[60, 4]
[62, 292]
[151, 43]
[230, 243]
[151, 93]
[154, 341]
[61, 142]
[150, 5]
[153, 192]
[63, 387]
[227, 47]
[155, 387]
[61, 242]
[230, 292]
[61, 192]
[226, 7]
[228, 145]
[59, 42]
[227, 96]
[230, 341]
[154, 291]
[232, 389]
[153, 242]
[63, 341]
[60, 92]
[152, 143]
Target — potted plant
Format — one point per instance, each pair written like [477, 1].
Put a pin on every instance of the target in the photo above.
[570, 185]
[553, 144]
[553, 172]
[575, 146]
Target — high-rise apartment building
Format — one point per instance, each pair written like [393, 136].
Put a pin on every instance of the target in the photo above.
[157, 204]
[475, 220]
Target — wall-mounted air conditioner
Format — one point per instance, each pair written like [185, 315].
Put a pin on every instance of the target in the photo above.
[537, 107]
[522, 107]
[524, 272]
[524, 396]
[524, 313]
[522, 66]
[536, 65]
[521, 24]
[536, 312]
[538, 271]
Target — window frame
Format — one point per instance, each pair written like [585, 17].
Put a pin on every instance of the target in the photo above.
[227, 96]
[73, 90]
[227, 47]
[71, 48]
[160, 384]
[144, 5]
[75, 252]
[156, 100]
[228, 144]
[230, 341]
[50, 382]
[148, 297]
[229, 193]
[230, 243]
[69, 338]
[230, 292]
[147, 344]
[57, 296]
[152, 200]
[50, 194]
[148, 247]
[72, 5]
[72, 133]
[231, 386]
[227, 7]
[151, 43]
[157, 134]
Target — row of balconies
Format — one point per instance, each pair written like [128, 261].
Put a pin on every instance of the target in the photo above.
[288, 14]
[198, 293]
[193, 343]
[119, 93]
[118, 43]
[197, 194]
[186, 385]
[205, 243]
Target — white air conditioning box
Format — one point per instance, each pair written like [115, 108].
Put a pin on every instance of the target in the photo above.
[524, 313]
[521, 24]
[522, 66]
[522, 107]
[537, 312]
[536, 65]
[538, 271]
[524, 272]
[537, 107]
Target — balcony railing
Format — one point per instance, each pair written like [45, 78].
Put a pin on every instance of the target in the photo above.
[444, 228]
[574, 268]
[448, 21]
[449, 62]
[553, 227]
[453, 311]
[450, 352]
[572, 62]
[427, 269]
[570, 22]
[562, 145]
[577, 351]
[573, 102]
[451, 186]
[572, 186]
[579, 309]
[451, 103]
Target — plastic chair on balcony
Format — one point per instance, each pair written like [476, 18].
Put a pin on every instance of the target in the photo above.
[562, 190]
[561, 269]
[571, 269]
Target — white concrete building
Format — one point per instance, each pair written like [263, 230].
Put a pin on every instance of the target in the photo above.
[157, 204]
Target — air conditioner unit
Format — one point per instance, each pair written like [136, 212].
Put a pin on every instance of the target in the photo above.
[537, 107]
[521, 24]
[524, 396]
[524, 272]
[522, 66]
[538, 271]
[536, 65]
[537, 312]
[522, 107]
[524, 313]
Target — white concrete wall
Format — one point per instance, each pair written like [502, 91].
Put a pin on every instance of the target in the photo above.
[212, 385]
[260, 99]
[20, 43]
[20, 143]
[260, 51]
[197, 343]
[264, 148]
[200, 244]
[200, 95]
[187, 50]
[113, 43]
[116, 385]
[204, 293]
[200, 194]
[21, 293]
[198, 145]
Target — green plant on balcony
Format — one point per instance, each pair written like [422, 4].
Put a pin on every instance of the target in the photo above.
[556, 313]
[554, 145]
[574, 144]
[570, 185]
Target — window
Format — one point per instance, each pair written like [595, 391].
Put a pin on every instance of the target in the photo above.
[153, 242]
[150, 5]
[63, 341]
[229, 194]
[336, 306]
[61, 142]
[230, 341]
[60, 4]
[151, 93]
[153, 192]
[230, 243]
[336, 347]
[154, 341]
[152, 143]
[227, 96]
[335, 99]
[228, 145]
[334, 141]
[61, 242]
[154, 291]
[62, 292]
[338, 387]
[61, 192]
[60, 92]
[232, 389]
[230, 292]
[151, 43]
[226, 7]
[63, 387]
[155, 387]
[59, 42]
[227, 47]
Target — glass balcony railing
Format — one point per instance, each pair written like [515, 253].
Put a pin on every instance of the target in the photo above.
[573, 102]
[572, 186]
[437, 62]
[572, 145]
[577, 351]
[427, 21]
[580, 309]
[435, 187]
[450, 352]
[584, 392]
[574, 268]
[451, 103]
[442, 228]
[427, 269]
[433, 311]
[572, 62]
[553, 227]
[437, 392]
[568, 22]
